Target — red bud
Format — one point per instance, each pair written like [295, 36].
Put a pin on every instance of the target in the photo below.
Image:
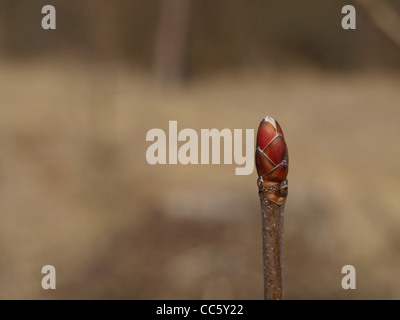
[271, 151]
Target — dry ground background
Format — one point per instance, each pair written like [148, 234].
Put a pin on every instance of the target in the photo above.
[76, 190]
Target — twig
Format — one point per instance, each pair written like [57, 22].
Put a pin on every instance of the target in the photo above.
[272, 169]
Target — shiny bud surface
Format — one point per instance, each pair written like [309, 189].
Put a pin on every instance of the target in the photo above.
[271, 152]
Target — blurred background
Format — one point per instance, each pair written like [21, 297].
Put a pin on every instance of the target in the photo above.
[77, 192]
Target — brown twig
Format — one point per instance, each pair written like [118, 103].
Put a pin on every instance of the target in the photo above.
[272, 169]
[272, 232]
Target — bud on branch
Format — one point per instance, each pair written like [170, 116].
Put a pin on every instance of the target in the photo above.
[272, 160]
[272, 169]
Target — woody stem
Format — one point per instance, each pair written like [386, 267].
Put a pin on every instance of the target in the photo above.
[272, 232]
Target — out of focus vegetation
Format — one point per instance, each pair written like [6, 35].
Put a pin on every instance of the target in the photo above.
[76, 190]
[220, 34]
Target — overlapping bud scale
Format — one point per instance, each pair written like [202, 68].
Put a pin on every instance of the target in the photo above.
[271, 152]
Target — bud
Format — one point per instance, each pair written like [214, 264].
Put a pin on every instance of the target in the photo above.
[271, 152]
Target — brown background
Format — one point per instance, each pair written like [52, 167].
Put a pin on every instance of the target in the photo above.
[76, 191]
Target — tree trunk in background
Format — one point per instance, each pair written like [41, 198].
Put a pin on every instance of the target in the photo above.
[103, 28]
[170, 48]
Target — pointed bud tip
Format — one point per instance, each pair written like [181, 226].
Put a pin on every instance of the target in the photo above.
[270, 120]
